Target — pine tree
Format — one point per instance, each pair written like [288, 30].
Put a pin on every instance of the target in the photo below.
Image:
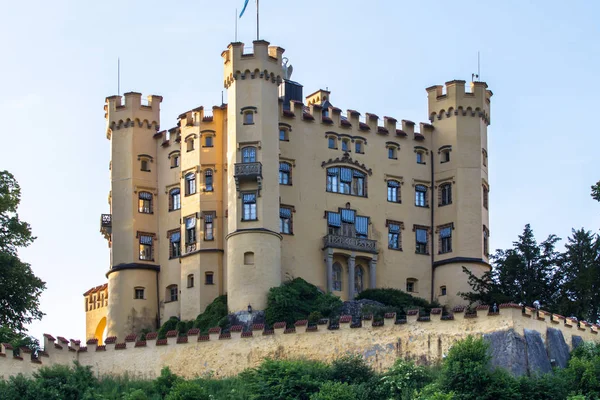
[523, 274]
[579, 269]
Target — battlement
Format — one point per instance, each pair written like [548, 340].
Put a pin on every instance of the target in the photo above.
[424, 338]
[130, 110]
[353, 124]
[265, 62]
[453, 99]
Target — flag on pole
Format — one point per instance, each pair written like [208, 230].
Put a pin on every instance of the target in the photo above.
[244, 8]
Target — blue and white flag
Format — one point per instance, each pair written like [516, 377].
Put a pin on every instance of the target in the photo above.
[244, 9]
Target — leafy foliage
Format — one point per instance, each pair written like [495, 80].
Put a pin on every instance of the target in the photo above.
[396, 299]
[596, 191]
[351, 368]
[523, 274]
[20, 289]
[296, 300]
[214, 315]
[404, 379]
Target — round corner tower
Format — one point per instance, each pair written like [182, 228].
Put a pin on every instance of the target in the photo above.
[133, 274]
[460, 118]
[253, 243]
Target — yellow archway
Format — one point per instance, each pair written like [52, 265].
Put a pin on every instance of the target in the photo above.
[100, 330]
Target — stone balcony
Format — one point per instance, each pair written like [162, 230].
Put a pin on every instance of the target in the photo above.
[350, 243]
[248, 172]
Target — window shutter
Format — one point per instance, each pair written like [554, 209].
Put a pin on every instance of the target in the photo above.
[285, 212]
[446, 232]
[146, 239]
[346, 175]
[394, 228]
[421, 236]
[333, 171]
[175, 237]
[393, 184]
[348, 216]
[249, 198]
[284, 167]
[190, 223]
[362, 225]
[333, 219]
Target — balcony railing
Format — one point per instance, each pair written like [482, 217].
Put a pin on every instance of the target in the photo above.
[246, 171]
[350, 243]
[106, 225]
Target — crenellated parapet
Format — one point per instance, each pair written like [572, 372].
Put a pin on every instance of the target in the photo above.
[264, 62]
[453, 99]
[379, 341]
[351, 123]
[129, 111]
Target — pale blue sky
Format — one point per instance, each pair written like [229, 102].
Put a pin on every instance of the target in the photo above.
[59, 61]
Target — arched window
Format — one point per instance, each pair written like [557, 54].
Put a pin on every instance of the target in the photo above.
[190, 183]
[284, 134]
[445, 156]
[285, 173]
[144, 166]
[393, 191]
[392, 153]
[174, 199]
[190, 144]
[421, 196]
[347, 181]
[172, 293]
[445, 194]
[345, 145]
[175, 160]
[358, 279]
[208, 180]
[420, 157]
[248, 154]
[190, 280]
[337, 277]
[145, 202]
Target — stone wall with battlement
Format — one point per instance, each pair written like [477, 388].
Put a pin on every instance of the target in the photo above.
[537, 340]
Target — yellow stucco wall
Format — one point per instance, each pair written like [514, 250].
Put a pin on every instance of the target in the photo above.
[425, 342]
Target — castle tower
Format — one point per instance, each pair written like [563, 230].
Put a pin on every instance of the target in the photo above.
[253, 242]
[460, 179]
[132, 278]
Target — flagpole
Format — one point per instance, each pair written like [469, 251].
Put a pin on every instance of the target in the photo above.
[257, 24]
[236, 21]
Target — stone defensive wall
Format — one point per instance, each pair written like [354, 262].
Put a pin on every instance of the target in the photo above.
[523, 340]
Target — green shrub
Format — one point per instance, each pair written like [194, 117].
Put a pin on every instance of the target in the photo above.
[433, 392]
[296, 300]
[63, 382]
[335, 391]
[285, 379]
[165, 382]
[466, 370]
[314, 317]
[168, 325]
[187, 390]
[399, 300]
[215, 314]
[403, 379]
[135, 394]
[351, 369]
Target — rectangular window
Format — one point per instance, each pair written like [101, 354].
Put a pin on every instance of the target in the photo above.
[358, 147]
[209, 278]
[393, 191]
[208, 141]
[442, 290]
[146, 248]
[421, 236]
[394, 236]
[175, 244]
[190, 230]
[334, 223]
[485, 197]
[145, 166]
[175, 161]
[190, 144]
[190, 281]
[139, 294]
[345, 145]
[446, 239]
[392, 153]
[420, 196]
[208, 225]
[173, 293]
[285, 170]
[145, 203]
[249, 207]
[282, 134]
[410, 286]
[486, 241]
[420, 157]
[285, 220]
[248, 118]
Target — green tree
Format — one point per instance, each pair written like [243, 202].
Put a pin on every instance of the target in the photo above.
[579, 269]
[596, 191]
[523, 274]
[20, 289]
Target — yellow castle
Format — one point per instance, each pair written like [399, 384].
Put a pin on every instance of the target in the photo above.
[237, 199]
